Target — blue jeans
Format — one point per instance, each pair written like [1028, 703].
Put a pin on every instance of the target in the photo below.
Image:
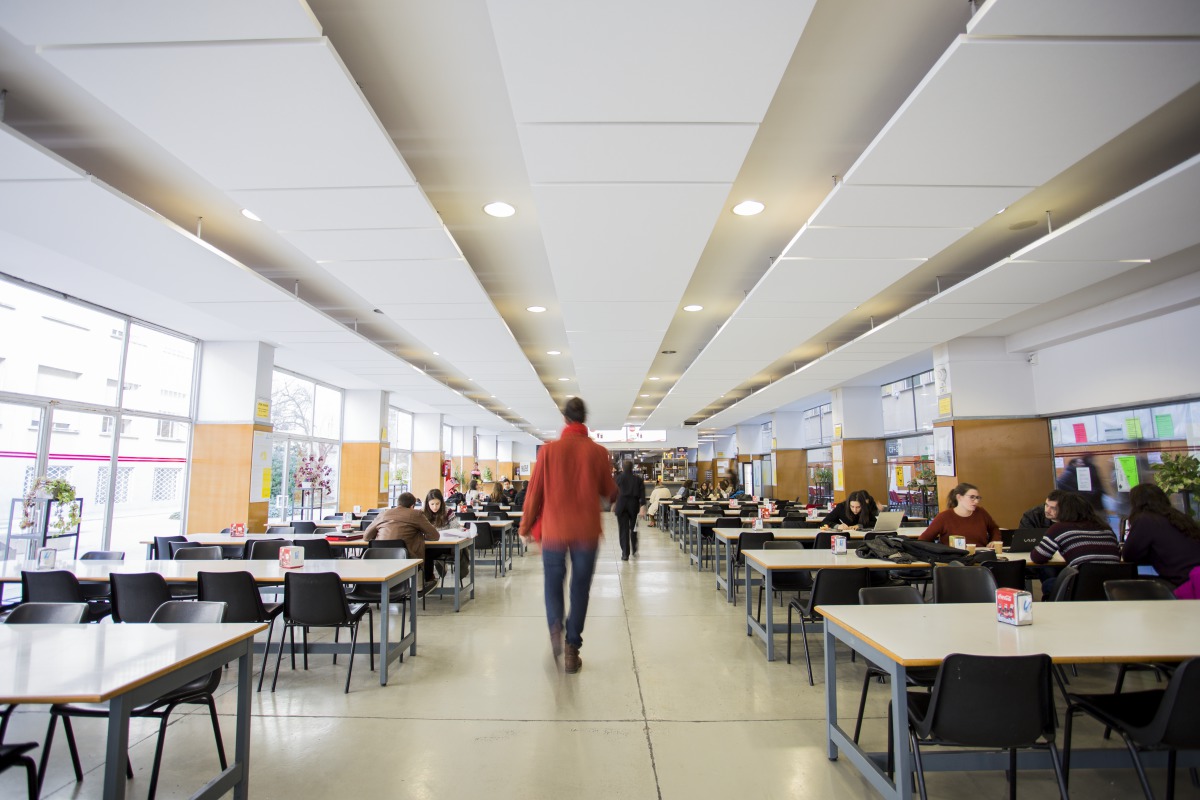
[583, 566]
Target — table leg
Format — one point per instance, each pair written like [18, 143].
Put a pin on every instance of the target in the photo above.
[503, 550]
[457, 579]
[117, 749]
[241, 748]
[412, 607]
[901, 755]
[385, 624]
[831, 715]
[770, 620]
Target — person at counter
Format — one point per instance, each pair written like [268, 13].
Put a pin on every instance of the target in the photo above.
[1161, 535]
[657, 495]
[1045, 515]
[857, 512]
[408, 526]
[963, 517]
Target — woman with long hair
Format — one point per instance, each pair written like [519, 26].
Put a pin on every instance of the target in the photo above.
[1079, 534]
[436, 511]
[1161, 535]
[964, 517]
[857, 513]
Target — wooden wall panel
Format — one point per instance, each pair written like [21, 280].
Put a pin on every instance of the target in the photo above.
[864, 462]
[791, 474]
[427, 473]
[1010, 460]
[219, 485]
[358, 476]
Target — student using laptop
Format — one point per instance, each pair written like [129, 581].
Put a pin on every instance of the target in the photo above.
[857, 513]
[963, 517]
[1045, 515]
[1080, 535]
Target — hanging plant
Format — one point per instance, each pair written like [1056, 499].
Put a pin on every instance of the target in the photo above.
[64, 505]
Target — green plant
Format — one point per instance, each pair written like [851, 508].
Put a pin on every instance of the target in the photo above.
[460, 476]
[400, 475]
[487, 474]
[1178, 472]
[66, 508]
[924, 477]
[823, 476]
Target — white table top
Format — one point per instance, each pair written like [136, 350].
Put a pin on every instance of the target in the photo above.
[94, 663]
[820, 559]
[495, 523]
[226, 539]
[351, 570]
[808, 534]
[1102, 632]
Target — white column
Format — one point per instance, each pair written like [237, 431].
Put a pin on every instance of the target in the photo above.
[858, 410]
[982, 379]
[235, 383]
[364, 416]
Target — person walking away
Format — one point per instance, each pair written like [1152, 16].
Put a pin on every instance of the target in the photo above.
[562, 507]
[631, 496]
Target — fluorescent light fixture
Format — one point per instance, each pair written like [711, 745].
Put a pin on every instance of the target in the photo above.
[250, 215]
[748, 208]
[645, 395]
[499, 209]
[693, 308]
[564, 379]
[535, 309]
[554, 352]
[654, 379]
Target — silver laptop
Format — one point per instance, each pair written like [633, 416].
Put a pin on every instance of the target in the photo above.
[888, 522]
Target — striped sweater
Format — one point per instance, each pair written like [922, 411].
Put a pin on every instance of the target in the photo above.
[1079, 543]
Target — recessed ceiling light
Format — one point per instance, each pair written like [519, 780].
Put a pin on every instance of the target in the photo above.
[536, 309]
[554, 352]
[250, 215]
[499, 209]
[637, 406]
[693, 308]
[654, 379]
[436, 353]
[748, 208]
[564, 379]
[570, 396]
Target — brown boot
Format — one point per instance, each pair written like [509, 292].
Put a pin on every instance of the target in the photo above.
[572, 662]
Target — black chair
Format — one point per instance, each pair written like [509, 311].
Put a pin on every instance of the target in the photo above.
[1091, 577]
[60, 586]
[137, 595]
[823, 540]
[243, 603]
[466, 515]
[48, 614]
[1137, 589]
[1007, 574]
[162, 546]
[196, 692]
[831, 587]
[963, 585]
[965, 710]
[749, 540]
[302, 527]
[264, 549]
[916, 676]
[99, 591]
[12, 755]
[794, 522]
[486, 540]
[200, 553]
[315, 548]
[1155, 719]
[280, 529]
[318, 600]
[797, 581]
[371, 593]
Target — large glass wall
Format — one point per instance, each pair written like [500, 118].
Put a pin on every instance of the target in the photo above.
[909, 405]
[100, 400]
[912, 486]
[400, 431]
[307, 420]
[818, 425]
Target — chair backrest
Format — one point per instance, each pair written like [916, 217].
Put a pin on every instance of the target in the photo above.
[385, 552]
[966, 709]
[48, 613]
[103, 555]
[137, 595]
[485, 537]
[1137, 589]
[753, 540]
[795, 522]
[315, 598]
[956, 584]
[303, 526]
[202, 553]
[280, 529]
[330, 517]
[189, 611]
[728, 522]
[1089, 583]
[838, 587]
[176, 547]
[53, 586]
[890, 596]
[237, 590]
[1176, 724]
[316, 547]
[748, 511]
[784, 545]
[466, 515]
[823, 540]
[1008, 574]
[264, 549]
[162, 546]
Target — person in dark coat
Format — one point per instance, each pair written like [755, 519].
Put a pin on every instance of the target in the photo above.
[631, 497]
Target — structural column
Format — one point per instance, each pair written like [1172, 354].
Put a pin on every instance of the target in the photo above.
[230, 477]
[489, 457]
[859, 448]
[363, 472]
[986, 432]
[504, 460]
[791, 456]
[428, 452]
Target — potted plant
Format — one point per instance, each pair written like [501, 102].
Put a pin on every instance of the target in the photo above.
[487, 474]
[62, 493]
[313, 473]
[924, 477]
[1179, 473]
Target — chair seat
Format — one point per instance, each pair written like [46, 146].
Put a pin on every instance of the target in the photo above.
[1129, 710]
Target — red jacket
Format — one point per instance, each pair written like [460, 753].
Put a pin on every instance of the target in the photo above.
[569, 478]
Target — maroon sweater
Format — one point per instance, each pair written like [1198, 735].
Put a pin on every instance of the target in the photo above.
[978, 529]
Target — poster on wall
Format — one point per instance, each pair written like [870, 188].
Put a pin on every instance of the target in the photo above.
[260, 468]
[525, 468]
[943, 451]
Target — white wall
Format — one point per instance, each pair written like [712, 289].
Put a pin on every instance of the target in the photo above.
[986, 380]
[427, 433]
[364, 415]
[233, 377]
[789, 430]
[1143, 362]
[859, 410]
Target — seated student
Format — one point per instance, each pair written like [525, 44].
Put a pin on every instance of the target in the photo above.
[510, 494]
[498, 497]
[444, 518]
[1045, 515]
[685, 490]
[1161, 535]
[519, 500]
[963, 517]
[1080, 535]
[455, 497]
[474, 496]
[657, 495]
[407, 525]
[857, 513]
[722, 492]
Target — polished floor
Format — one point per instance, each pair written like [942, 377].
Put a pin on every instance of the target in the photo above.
[674, 701]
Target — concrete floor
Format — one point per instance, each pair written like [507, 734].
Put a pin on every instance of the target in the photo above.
[674, 701]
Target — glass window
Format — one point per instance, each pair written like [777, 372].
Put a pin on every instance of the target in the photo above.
[308, 420]
[292, 403]
[818, 425]
[909, 404]
[400, 428]
[327, 416]
[158, 372]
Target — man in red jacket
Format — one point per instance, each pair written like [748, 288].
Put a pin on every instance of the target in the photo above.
[562, 501]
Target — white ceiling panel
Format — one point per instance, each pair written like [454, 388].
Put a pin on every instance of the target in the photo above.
[1087, 18]
[279, 315]
[835, 282]
[635, 315]
[664, 228]
[405, 282]
[860, 206]
[425, 244]
[1029, 281]
[595, 350]
[714, 62]
[348, 354]
[800, 309]
[1019, 133]
[641, 153]
[401, 312]
[980, 311]
[85, 22]
[323, 337]
[342, 207]
[758, 342]
[245, 116]
[876, 244]
[24, 160]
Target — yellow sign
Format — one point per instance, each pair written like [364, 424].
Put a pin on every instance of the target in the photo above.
[266, 485]
[837, 431]
[262, 409]
[944, 409]
[899, 476]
